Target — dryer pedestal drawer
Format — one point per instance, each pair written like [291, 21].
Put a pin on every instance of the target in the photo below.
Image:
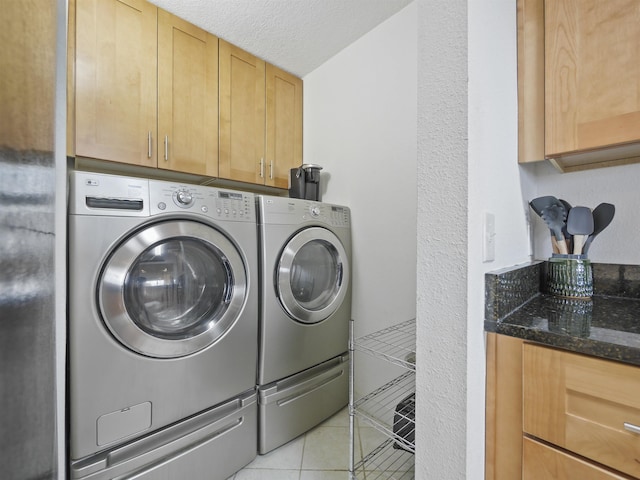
[212, 445]
[292, 406]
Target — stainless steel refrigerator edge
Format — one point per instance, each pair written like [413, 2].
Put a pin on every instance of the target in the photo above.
[28, 240]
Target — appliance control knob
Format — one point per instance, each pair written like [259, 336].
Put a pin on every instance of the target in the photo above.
[315, 211]
[184, 197]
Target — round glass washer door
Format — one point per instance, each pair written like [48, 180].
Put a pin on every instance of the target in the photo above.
[172, 289]
[312, 277]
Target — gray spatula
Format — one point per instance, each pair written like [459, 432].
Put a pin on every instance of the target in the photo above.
[602, 216]
[580, 225]
[538, 205]
[555, 216]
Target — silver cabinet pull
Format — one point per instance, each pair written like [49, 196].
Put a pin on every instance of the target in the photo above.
[166, 148]
[262, 167]
[630, 427]
[149, 145]
[271, 170]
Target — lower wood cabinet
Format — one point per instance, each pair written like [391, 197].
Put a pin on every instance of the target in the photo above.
[586, 405]
[553, 414]
[541, 461]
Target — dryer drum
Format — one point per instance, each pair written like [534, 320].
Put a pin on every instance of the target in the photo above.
[312, 277]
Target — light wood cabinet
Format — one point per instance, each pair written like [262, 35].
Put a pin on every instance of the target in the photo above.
[150, 89]
[542, 461]
[27, 93]
[559, 415]
[578, 77]
[187, 97]
[242, 115]
[284, 125]
[586, 405]
[115, 82]
[260, 119]
[503, 419]
[145, 87]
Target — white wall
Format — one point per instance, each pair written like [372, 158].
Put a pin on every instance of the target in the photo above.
[617, 185]
[467, 157]
[360, 125]
[443, 201]
[496, 185]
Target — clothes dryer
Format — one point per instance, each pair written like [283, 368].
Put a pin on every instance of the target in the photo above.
[305, 259]
[162, 329]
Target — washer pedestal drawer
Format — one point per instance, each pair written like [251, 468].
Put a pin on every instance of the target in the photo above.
[212, 445]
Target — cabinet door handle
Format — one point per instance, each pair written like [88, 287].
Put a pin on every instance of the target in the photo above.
[149, 145]
[271, 170]
[262, 167]
[166, 148]
[630, 427]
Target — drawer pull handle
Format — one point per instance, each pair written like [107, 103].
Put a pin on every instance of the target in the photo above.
[630, 427]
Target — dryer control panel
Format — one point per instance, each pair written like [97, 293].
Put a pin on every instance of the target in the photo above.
[213, 202]
[292, 211]
[333, 215]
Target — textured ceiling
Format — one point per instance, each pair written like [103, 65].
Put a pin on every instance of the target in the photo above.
[295, 35]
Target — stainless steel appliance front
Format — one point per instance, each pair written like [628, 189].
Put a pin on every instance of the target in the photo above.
[305, 250]
[162, 308]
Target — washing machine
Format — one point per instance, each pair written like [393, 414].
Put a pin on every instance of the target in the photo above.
[305, 307]
[162, 329]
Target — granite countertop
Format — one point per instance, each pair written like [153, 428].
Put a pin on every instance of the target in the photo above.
[606, 325]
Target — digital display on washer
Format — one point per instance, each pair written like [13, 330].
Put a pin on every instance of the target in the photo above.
[230, 195]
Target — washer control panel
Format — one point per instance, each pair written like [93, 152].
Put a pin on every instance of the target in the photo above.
[183, 198]
[213, 202]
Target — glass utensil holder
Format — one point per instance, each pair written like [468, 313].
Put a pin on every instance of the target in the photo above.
[570, 276]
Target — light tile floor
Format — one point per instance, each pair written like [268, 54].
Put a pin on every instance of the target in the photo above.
[320, 454]
[323, 454]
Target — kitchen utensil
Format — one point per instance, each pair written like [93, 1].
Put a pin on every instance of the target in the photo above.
[602, 216]
[580, 225]
[555, 216]
[538, 205]
[565, 232]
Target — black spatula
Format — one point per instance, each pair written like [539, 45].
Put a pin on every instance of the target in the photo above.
[602, 216]
[565, 232]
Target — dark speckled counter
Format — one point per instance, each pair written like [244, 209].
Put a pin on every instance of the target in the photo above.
[606, 326]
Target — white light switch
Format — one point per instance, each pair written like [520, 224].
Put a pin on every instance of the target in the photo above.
[489, 238]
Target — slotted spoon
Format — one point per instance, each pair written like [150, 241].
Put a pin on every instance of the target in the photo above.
[555, 216]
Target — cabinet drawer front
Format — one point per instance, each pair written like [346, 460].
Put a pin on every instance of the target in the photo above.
[582, 404]
[541, 461]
